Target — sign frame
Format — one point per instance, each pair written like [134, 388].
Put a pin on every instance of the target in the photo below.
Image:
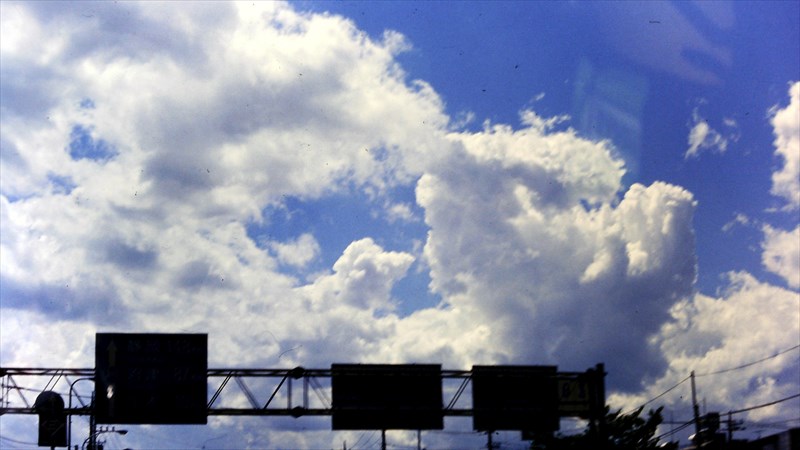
[151, 378]
[387, 397]
[517, 398]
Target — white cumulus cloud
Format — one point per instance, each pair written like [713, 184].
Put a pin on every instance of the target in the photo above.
[297, 252]
[217, 115]
[513, 243]
[782, 254]
[786, 126]
[741, 345]
[704, 138]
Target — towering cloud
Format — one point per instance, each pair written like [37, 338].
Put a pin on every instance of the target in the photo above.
[528, 234]
[742, 343]
[143, 144]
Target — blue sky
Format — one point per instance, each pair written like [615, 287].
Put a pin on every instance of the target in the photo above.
[451, 182]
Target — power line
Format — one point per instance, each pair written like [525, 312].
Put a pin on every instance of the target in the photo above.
[659, 395]
[680, 428]
[748, 364]
[775, 425]
[691, 422]
[16, 441]
[765, 404]
[713, 373]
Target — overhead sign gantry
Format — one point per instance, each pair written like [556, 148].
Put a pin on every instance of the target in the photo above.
[147, 378]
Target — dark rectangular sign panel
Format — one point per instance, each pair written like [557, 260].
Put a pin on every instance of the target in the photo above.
[387, 397]
[53, 431]
[515, 398]
[575, 396]
[149, 378]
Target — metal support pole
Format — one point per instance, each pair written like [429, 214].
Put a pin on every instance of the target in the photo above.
[697, 436]
[289, 394]
[92, 428]
[69, 422]
[305, 392]
[383, 439]
[600, 382]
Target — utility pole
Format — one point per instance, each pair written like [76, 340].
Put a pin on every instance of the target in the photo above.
[697, 436]
[730, 427]
[733, 425]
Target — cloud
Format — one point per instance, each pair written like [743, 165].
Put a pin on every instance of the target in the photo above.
[152, 235]
[738, 220]
[786, 126]
[159, 134]
[400, 211]
[298, 252]
[513, 242]
[742, 344]
[235, 139]
[720, 339]
[345, 315]
[363, 276]
[703, 137]
[529, 237]
[750, 321]
[782, 254]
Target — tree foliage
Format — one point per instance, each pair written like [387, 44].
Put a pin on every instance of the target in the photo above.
[623, 431]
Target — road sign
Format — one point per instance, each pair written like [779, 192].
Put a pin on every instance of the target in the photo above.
[574, 397]
[514, 398]
[582, 394]
[387, 397]
[151, 378]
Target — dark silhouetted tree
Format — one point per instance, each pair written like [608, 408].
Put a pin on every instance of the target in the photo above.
[624, 432]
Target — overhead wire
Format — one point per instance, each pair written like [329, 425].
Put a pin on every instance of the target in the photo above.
[782, 425]
[731, 369]
[751, 408]
[3, 438]
[675, 430]
[765, 404]
[659, 395]
[363, 433]
[774, 423]
[371, 441]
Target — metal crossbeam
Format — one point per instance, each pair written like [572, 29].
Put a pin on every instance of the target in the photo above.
[216, 406]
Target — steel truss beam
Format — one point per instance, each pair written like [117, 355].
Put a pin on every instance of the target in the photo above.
[308, 379]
